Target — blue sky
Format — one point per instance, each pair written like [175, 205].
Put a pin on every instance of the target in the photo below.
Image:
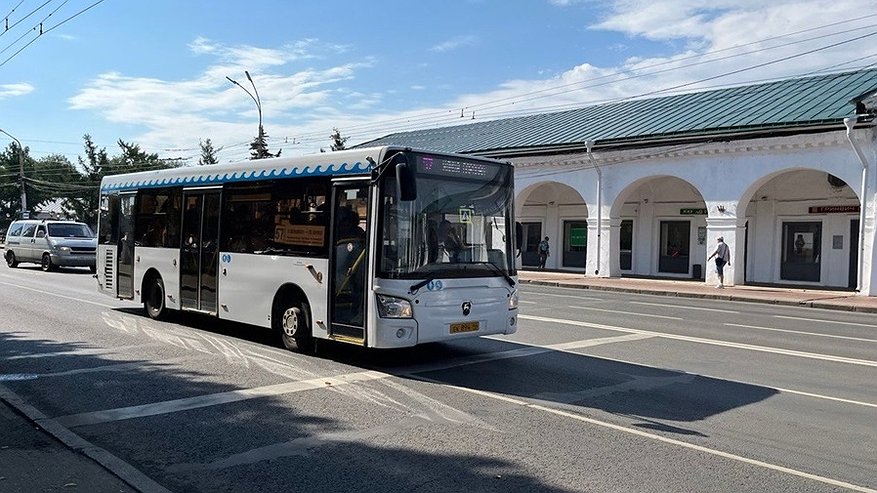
[153, 72]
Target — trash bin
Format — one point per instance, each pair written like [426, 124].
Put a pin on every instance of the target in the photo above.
[697, 271]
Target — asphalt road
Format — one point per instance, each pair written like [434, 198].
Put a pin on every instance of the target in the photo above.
[598, 391]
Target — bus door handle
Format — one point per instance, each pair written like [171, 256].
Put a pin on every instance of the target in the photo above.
[317, 275]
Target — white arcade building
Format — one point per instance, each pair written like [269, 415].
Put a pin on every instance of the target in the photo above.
[785, 171]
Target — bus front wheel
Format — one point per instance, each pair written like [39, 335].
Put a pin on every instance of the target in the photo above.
[292, 323]
[153, 302]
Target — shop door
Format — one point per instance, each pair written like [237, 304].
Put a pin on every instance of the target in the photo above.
[853, 281]
[125, 270]
[349, 262]
[530, 248]
[199, 251]
[801, 251]
[625, 243]
[675, 247]
[575, 243]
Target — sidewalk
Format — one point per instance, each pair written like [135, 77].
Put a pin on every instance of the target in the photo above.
[813, 298]
[32, 461]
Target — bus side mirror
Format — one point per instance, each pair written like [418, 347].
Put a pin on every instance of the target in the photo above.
[406, 181]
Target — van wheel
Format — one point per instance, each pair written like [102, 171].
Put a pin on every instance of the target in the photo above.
[11, 261]
[291, 321]
[153, 301]
[47, 264]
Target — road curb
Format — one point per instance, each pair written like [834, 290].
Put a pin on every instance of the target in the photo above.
[724, 297]
[112, 464]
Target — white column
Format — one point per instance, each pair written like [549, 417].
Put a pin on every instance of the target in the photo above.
[732, 230]
[592, 269]
[614, 242]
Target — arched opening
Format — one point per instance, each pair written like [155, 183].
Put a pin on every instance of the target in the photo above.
[802, 227]
[661, 229]
[558, 211]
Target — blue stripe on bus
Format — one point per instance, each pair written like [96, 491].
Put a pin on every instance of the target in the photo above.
[255, 175]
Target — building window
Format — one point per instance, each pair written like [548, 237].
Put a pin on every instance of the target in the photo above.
[575, 243]
[674, 248]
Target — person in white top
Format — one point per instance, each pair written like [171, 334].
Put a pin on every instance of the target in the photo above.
[723, 256]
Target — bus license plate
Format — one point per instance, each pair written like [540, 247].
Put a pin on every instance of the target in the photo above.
[464, 327]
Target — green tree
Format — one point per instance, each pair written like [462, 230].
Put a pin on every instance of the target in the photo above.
[208, 153]
[259, 146]
[337, 142]
[10, 188]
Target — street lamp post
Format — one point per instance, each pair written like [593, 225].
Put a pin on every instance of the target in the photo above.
[260, 145]
[20, 170]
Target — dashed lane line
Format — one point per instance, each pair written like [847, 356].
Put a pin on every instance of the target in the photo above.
[682, 307]
[815, 334]
[658, 438]
[701, 340]
[606, 310]
[73, 298]
[839, 322]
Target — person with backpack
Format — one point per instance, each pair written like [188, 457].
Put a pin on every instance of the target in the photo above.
[544, 248]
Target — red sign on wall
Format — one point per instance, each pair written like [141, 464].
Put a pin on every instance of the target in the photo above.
[834, 209]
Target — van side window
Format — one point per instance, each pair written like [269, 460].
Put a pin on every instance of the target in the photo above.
[15, 230]
[29, 230]
[41, 229]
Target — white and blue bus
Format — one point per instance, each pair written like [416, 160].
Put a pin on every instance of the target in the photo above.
[381, 247]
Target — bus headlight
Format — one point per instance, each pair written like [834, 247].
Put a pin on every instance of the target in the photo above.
[513, 300]
[392, 307]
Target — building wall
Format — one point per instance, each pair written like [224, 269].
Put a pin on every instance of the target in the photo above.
[748, 188]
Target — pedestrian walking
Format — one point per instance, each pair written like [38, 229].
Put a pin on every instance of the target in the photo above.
[544, 248]
[722, 254]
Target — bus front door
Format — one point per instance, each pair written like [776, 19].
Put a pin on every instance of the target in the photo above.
[349, 262]
[125, 270]
[199, 250]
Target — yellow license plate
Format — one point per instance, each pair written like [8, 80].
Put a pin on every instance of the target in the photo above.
[464, 327]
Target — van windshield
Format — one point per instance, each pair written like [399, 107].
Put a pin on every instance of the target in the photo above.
[70, 231]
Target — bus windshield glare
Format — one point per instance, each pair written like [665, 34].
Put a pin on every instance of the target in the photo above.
[459, 226]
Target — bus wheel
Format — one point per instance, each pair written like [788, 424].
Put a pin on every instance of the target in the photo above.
[11, 261]
[153, 302]
[47, 264]
[291, 321]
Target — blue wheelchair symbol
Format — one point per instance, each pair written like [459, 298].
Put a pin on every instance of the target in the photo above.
[226, 258]
[435, 286]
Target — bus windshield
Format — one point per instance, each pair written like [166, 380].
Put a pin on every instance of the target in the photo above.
[460, 225]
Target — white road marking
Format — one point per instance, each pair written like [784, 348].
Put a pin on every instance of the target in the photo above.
[79, 352]
[196, 402]
[824, 321]
[864, 339]
[660, 438]
[682, 307]
[155, 408]
[585, 298]
[701, 340]
[57, 295]
[528, 302]
[624, 313]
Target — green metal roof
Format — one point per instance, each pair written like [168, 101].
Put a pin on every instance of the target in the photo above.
[785, 105]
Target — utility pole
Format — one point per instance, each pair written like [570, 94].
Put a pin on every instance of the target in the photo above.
[20, 171]
[260, 143]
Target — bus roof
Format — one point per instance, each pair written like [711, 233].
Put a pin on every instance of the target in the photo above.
[339, 163]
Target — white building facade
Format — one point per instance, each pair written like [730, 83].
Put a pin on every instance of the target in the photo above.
[784, 171]
[788, 207]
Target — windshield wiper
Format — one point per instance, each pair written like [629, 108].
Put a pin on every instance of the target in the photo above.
[271, 251]
[414, 287]
[496, 269]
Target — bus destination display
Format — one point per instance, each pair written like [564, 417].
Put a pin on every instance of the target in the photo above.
[435, 165]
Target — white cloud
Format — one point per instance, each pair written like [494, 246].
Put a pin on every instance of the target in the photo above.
[13, 90]
[454, 43]
[298, 101]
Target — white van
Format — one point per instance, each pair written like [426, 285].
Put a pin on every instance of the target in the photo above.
[51, 244]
